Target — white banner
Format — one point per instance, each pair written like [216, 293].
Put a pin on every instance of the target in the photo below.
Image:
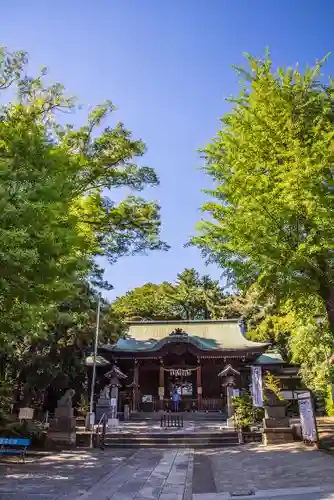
[257, 389]
[113, 402]
[307, 418]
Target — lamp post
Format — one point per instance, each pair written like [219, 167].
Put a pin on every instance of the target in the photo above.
[92, 388]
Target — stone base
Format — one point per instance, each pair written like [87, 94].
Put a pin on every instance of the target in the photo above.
[230, 422]
[280, 435]
[59, 439]
[64, 412]
[63, 424]
[112, 423]
[275, 411]
[275, 423]
[102, 406]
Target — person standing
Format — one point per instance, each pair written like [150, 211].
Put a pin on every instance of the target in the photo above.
[176, 400]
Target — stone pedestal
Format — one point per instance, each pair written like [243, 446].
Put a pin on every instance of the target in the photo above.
[126, 413]
[279, 435]
[62, 430]
[230, 409]
[102, 406]
[112, 423]
[231, 422]
[276, 426]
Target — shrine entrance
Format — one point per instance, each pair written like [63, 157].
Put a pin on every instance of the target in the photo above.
[183, 381]
[180, 374]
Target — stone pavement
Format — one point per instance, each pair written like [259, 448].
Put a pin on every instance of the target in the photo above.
[282, 472]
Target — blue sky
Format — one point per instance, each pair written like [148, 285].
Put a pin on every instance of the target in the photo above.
[166, 65]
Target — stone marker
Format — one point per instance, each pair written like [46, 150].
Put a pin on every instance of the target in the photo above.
[276, 426]
[61, 432]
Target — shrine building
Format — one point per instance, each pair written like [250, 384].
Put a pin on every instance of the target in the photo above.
[198, 358]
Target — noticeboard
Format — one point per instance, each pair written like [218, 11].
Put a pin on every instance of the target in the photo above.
[307, 417]
[26, 413]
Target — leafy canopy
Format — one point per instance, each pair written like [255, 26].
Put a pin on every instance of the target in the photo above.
[56, 211]
[271, 217]
[191, 297]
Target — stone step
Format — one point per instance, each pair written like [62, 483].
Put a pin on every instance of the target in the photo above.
[172, 440]
[173, 435]
[170, 445]
[187, 416]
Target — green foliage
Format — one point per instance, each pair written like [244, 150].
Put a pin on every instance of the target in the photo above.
[148, 302]
[245, 413]
[271, 218]
[273, 385]
[329, 404]
[56, 357]
[83, 404]
[190, 297]
[293, 331]
[311, 348]
[56, 217]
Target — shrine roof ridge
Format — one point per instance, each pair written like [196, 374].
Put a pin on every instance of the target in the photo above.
[182, 321]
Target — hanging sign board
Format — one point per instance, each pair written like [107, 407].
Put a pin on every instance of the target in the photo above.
[180, 372]
[113, 402]
[257, 389]
[26, 413]
[147, 398]
[307, 417]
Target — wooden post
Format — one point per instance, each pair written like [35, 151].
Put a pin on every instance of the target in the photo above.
[199, 386]
[135, 388]
[161, 386]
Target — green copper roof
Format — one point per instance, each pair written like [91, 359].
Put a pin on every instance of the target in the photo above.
[205, 335]
[270, 358]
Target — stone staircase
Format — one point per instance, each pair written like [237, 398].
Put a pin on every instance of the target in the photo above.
[198, 416]
[326, 432]
[167, 439]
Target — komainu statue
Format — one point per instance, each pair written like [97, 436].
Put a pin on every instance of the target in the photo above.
[66, 399]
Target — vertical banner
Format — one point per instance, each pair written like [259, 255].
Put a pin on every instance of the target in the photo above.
[257, 389]
[307, 417]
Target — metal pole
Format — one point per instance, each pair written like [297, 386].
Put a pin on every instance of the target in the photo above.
[92, 388]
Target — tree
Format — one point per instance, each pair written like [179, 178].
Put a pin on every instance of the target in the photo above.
[148, 302]
[196, 297]
[56, 360]
[190, 297]
[55, 217]
[271, 219]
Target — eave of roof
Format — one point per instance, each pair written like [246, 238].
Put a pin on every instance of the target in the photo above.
[203, 344]
[270, 358]
[100, 361]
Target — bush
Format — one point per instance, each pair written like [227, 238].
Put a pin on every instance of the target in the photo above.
[329, 402]
[245, 413]
[23, 429]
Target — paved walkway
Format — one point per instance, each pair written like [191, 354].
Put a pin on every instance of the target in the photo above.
[289, 472]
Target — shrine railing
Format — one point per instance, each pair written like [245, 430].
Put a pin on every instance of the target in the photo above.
[186, 404]
[210, 404]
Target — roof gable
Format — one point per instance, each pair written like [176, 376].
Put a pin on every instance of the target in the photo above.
[205, 335]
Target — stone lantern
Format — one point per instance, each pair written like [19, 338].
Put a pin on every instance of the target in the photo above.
[228, 379]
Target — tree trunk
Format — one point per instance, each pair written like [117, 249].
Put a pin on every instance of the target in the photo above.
[326, 291]
[327, 295]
